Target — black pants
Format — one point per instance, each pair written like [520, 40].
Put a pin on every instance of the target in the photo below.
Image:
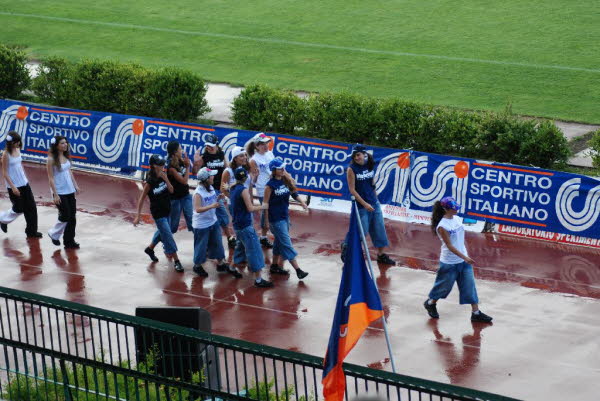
[25, 203]
[66, 214]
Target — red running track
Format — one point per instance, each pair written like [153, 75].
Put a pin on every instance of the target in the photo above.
[545, 298]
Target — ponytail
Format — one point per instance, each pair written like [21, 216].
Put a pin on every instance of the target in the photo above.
[437, 214]
[251, 149]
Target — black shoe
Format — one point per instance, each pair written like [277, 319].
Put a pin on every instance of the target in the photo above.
[4, 227]
[178, 266]
[222, 268]
[150, 252]
[301, 274]
[263, 283]
[54, 241]
[275, 269]
[432, 310]
[344, 249]
[266, 243]
[481, 317]
[231, 242]
[35, 235]
[233, 271]
[385, 259]
[199, 270]
[72, 245]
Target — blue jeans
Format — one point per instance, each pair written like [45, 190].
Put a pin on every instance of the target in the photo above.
[177, 205]
[372, 223]
[208, 238]
[221, 212]
[282, 245]
[248, 249]
[263, 219]
[164, 229]
[447, 274]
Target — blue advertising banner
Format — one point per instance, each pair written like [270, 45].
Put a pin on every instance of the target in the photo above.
[407, 180]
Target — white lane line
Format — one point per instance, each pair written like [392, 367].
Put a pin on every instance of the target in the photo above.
[305, 44]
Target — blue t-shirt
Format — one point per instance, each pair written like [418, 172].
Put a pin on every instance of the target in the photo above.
[363, 184]
[279, 203]
[242, 218]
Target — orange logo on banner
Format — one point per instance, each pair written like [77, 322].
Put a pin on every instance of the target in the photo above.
[22, 113]
[404, 160]
[271, 143]
[461, 169]
[138, 127]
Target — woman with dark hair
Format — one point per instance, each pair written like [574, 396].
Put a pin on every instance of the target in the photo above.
[207, 234]
[360, 175]
[277, 200]
[18, 187]
[178, 172]
[213, 158]
[63, 187]
[455, 263]
[260, 157]
[247, 239]
[159, 188]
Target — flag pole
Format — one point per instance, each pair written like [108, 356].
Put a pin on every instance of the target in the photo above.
[364, 242]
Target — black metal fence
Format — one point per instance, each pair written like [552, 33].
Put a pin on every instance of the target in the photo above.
[58, 350]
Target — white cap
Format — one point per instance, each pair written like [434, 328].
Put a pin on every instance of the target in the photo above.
[205, 173]
[236, 151]
[261, 138]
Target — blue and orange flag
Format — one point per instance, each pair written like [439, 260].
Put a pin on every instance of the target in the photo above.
[358, 305]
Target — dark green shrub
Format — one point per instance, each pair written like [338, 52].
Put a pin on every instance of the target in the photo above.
[595, 147]
[52, 84]
[14, 76]
[401, 123]
[545, 146]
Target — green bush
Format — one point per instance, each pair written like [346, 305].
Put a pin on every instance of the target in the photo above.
[595, 146]
[14, 76]
[403, 125]
[123, 88]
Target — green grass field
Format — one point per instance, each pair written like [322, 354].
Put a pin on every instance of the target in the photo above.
[542, 56]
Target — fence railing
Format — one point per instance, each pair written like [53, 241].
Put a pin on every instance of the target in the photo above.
[58, 350]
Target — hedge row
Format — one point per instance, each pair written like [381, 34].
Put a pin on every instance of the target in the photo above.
[109, 86]
[403, 125]
[121, 88]
[595, 146]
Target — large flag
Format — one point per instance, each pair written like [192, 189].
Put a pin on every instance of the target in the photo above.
[358, 305]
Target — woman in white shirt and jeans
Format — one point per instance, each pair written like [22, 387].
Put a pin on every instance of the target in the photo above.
[455, 263]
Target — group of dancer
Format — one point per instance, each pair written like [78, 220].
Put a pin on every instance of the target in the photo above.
[62, 184]
[206, 215]
[221, 182]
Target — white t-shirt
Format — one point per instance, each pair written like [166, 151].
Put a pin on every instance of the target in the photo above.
[457, 238]
[264, 174]
[208, 218]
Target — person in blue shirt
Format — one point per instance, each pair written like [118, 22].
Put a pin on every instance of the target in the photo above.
[277, 199]
[248, 242]
[360, 174]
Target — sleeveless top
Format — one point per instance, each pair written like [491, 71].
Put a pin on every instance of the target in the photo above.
[208, 218]
[363, 184]
[62, 179]
[215, 162]
[264, 174]
[160, 198]
[180, 190]
[16, 172]
[232, 178]
[242, 218]
[279, 202]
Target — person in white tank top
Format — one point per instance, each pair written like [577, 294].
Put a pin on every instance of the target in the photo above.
[455, 263]
[64, 187]
[208, 242]
[19, 191]
[260, 157]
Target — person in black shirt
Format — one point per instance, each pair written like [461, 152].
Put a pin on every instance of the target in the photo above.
[178, 172]
[159, 190]
[213, 157]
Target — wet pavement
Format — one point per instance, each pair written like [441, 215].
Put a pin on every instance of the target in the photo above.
[545, 298]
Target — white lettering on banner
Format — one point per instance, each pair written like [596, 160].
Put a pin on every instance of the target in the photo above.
[50, 131]
[62, 119]
[160, 146]
[315, 152]
[514, 194]
[322, 183]
[511, 177]
[308, 166]
[507, 210]
[183, 134]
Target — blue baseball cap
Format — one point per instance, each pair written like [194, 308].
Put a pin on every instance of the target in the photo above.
[276, 163]
[449, 202]
[358, 148]
[240, 174]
